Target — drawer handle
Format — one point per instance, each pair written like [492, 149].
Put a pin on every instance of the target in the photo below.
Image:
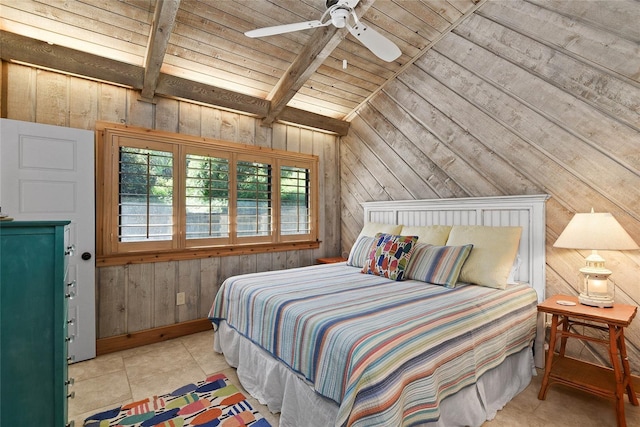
[70, 338]
[70, 250]
[70, 381]
[70, 295]
[71, 395]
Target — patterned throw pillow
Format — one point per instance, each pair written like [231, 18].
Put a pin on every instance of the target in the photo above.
[390, 256]
[360, 251]
[438, 265]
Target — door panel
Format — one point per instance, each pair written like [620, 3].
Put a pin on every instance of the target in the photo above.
[47, 172]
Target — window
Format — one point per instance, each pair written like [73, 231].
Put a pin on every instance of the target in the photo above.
[253, 190]
[206, 197]
[146, 195]
[171, 194]
[294, 196]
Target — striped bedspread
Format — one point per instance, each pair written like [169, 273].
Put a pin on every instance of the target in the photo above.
[387, 352]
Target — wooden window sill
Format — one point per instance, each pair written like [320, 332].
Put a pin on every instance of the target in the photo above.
[148, 257]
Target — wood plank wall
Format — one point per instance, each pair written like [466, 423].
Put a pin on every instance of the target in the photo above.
[142, 296]
[523, 97]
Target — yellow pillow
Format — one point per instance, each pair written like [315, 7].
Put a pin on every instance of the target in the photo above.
[372, 228]
[436, 235]
[492, 256]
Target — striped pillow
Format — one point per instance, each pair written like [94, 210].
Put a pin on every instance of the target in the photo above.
[438, 265]
[360, 251]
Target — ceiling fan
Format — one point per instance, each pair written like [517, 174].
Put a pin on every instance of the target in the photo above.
[340, 13]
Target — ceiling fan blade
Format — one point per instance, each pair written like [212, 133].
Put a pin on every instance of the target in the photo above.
[381, 46]
[287, 28]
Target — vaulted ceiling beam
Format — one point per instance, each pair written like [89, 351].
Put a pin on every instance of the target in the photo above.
[319, 47]
[21, 49]
[164, 19]
[178, 87]
[314, 53]
[14, 47]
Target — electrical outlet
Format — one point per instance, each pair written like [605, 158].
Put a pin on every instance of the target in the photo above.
[180, 298]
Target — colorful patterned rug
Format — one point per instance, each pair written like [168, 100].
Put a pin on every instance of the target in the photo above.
[209, 403]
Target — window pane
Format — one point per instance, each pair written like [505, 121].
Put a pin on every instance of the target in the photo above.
[254, 199]
[207, 197]
[145, 195]
[294, 200]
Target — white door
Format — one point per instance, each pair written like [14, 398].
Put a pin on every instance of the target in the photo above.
[47, 173]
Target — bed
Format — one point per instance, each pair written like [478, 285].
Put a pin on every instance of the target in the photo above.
[328, 345]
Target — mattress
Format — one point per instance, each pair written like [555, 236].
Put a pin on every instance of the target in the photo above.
[386, 352]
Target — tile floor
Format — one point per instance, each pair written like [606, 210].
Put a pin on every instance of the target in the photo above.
[116, 378]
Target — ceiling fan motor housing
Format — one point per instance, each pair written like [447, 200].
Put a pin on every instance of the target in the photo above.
[339, 17]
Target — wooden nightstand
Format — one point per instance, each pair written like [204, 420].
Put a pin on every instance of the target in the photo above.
[330, 260]
[601, 381]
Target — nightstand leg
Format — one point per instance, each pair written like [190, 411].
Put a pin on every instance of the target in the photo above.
[547, 367]
[615, 362]
[626, 369]
[563, 339]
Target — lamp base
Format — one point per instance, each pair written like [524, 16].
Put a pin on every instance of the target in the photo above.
[595, 301]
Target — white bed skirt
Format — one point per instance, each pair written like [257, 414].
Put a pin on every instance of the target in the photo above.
[284, 391]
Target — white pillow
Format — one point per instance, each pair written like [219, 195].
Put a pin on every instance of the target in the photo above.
[493, 254]
[372, 228]
[436, 235]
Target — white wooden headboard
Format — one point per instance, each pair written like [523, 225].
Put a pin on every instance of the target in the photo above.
[527, 211]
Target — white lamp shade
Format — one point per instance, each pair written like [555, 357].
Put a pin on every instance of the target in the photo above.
[595, 231]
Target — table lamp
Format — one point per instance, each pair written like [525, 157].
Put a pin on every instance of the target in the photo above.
[595, 231]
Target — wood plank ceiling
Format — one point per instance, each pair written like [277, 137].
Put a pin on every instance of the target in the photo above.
[197, 50]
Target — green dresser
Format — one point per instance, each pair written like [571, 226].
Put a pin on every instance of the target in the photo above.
[33, 320]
